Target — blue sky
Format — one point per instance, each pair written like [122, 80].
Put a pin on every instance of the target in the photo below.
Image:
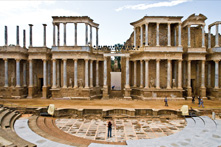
[114, 17]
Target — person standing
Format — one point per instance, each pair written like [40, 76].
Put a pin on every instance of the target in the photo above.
[166, 103]
[198, 99]
[109, 129]
[193, 99]
[201, 103]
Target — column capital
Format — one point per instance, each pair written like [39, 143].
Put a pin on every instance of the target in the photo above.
[64, 23]
[158, 60]
[53, 59]
[147, 23]
[91, 60]
[169, 23]
[18, 60]
[86, 59]
[158, 23]
[189, 61]
[44, 25]
[203, 61]
[188, 25]
[147, 60]
[97, 61]
[64, 59]
[75, 59]
[141, 60]
[180, 60]
[44, 59]
[5, 59]
[30, 25]
[216, 60]
[169, 60]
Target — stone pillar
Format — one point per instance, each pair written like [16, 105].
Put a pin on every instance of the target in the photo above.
[168, 35]
[49, 74]
[6, 72]
[64, 73]
[141, 73]
[203, 88]
[24, 75]
[216, 74]
[189, 36]
[75, 34]
[53, 34]
[30, 25]
[146, 73]
[86, 34]
[30, 87]
[96, 37]
[209, 37]
[135, 41]
[24, 39]
[168, 74]
[17, 37]
[179, 38]
[58, 78]
[179, 74]
[135, 73]
[175, 37]
[75, 73]
[184, 74]
[18, 73]
[189, 89]
[58, 35]
[127, 73]
[217, 35]
[91, 73]
[105, 71]
[6, 36]
[54, 74]
[86, 73]
[209, 75]
[44, 34]
[146, 34]
[90, 35]
[64, 33]
[157, 31]
[97, 73]
[203, 36]
[158, 73]
[44, 88]
[141, 36]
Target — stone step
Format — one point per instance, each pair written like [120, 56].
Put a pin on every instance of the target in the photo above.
[3, 114]
[12, 122]
[7, 119]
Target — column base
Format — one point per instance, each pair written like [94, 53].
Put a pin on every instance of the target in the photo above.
[44, 92]
[30, 92]
[127, 92]
[105, 93]
[203, 92]
[189, 92]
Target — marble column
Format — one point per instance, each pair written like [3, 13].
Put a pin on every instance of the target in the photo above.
[30, 73]
[189, 74]
[146, 34]
[197, 74]
[189, 36]
[157, 35]
[54, 74]
[179, 74]
[97, 73]
[203, 36]
[64, 73]
[53, 34]
[203, 74]
[6, 36]
[6, 72]
[58, 78]
[64, 24]
[146, 73]
[135, 41]
[44, 34]
[216, 74]
[24, 39]
[175, 37]
[86, 73]
[75, 34]
[209, 75]
[24, 75]
[141, 73]
[179, 38]
[184, 73]
[90, 35]
[75, 73]
[17, 36]
[49, 74]
[158, 73]
[135, 73]
[175, 73]
[18, 73]
[168, 74]
[96, 37]
[30, 35]
[44, 73]
[209, 37]
[127, 73]
[168, 35]
[141, 36]
[217, 35]
[105, 71]
[91, 73]
[58, 35]
[86, 34]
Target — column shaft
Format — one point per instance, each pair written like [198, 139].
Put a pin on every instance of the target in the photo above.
[168, 35]
[75, 34]
[75, 73]
[105, 71]
[146, 34]
[18, 73]
[141, 36]
[24, 39]
[135, 73]
[58, 78]
[216, 74]
[97, 73]
[44, 34]
[86, 73]
[203, 36]
[45, 73]
[157, 39]
[179, 38]
[54, 73]
[49, 74]
[96, 37]
[209, 75]
[6, 36]
[58, 35]
[53, 34]
[168, 74]
[141, 74]
[217, 35]
[189, 36]
[146, 73]
[209, 37]
[24, 74]
[175, 37]
[30, 73]
[135, 41]
[64, 34]
[184, 73]
[64, 73]
[6, 72]
[127, 73]
[86, 34]
[91, 73]
[203, 74]
[30, 25]
[90, 35]
[180, 74]
[158, 74]
[17, 36]
[189, 74]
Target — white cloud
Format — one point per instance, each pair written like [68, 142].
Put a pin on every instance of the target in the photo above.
[154, 5]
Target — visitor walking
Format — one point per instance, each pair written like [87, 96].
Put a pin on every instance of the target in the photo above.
[166, 103]
[193, 99]
[198, 100]
[109, 129]
[201, 103]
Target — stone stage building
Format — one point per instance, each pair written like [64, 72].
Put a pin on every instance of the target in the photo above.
[168, 58]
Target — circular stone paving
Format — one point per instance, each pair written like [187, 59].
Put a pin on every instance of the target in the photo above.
[122, 129]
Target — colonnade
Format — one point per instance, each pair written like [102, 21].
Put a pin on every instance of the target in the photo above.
[189, 35]
[216, 37]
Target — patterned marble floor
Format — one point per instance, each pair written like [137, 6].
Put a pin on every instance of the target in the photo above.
[122, 130]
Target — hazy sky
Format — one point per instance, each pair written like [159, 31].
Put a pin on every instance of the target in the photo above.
[114, 17]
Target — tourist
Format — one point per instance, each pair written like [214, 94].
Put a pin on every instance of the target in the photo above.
[109, 129]
[193, 99]
[201, 103]
[165, 100]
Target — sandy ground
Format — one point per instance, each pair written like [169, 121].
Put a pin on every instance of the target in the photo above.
[107, 104]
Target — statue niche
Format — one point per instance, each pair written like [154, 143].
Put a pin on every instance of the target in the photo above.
[116, 66]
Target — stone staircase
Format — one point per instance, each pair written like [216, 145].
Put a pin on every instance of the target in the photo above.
[8, 137]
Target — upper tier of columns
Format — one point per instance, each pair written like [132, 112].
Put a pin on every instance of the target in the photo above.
[189, 36]
[216, 37]
[157, 34]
